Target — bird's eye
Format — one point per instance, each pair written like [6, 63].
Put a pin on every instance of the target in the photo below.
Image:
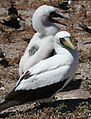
[61, 41]
[69, 37]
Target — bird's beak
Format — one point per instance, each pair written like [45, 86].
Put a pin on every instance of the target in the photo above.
[68, 43]
[56, 21]
[54, 14]
[22, 19]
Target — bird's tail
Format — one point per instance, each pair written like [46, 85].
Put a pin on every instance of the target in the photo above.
[6, 104]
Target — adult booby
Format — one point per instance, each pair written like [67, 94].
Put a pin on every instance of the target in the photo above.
[44, 24]
[42, 81]
[85, 28]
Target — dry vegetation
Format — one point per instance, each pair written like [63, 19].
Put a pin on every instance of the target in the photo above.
[74, 102]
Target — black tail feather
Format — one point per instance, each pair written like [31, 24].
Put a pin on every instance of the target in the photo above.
[6, 104]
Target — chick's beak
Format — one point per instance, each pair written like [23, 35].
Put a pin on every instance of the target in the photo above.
[54, 14]
[68, 43]
[56, 21]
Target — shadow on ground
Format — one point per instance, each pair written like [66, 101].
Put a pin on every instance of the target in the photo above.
[71, 105]
[73, 85]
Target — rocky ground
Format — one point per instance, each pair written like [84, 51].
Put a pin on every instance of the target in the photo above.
[75, 100]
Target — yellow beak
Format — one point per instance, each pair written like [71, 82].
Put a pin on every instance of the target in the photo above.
[68, 43]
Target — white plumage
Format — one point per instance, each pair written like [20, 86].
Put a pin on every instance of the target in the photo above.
[51, 68]
[46, 30]
[47, 77]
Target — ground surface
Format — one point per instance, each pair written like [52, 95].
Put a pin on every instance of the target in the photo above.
[75, 101]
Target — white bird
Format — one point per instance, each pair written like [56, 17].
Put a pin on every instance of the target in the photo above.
[43, 24]
[42, 81]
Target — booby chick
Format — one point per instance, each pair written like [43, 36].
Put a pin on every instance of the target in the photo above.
[44, 24]
[42, 81]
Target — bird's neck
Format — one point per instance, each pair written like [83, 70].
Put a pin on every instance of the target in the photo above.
[65, 51]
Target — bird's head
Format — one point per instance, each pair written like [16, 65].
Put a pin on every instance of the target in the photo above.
[63, 38]
[45, 15]
[19, 18]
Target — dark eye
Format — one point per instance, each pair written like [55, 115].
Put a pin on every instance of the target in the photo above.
[70, 38]
[61, 40]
